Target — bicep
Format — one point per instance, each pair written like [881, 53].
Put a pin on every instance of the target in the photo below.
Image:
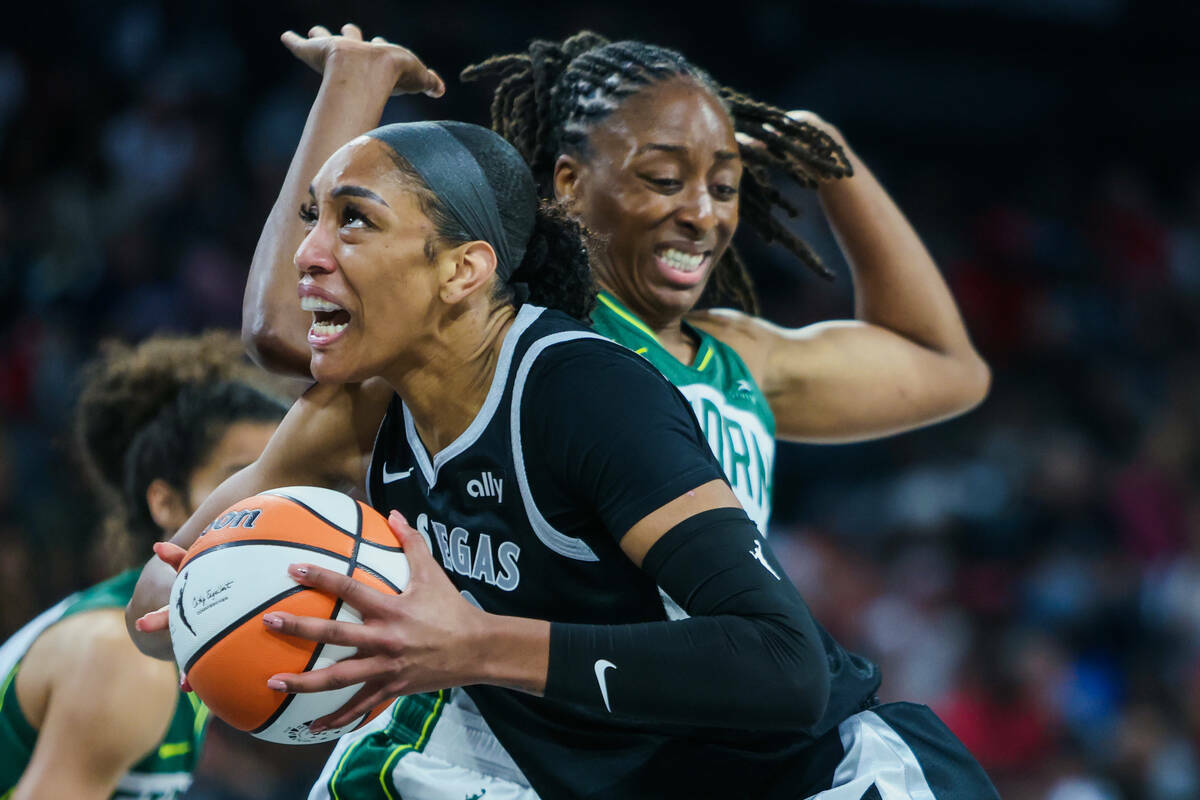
[843, 381]
[102, 718]
[623, 446]
[646, 532]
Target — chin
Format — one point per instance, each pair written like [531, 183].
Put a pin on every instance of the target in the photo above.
[327, 369]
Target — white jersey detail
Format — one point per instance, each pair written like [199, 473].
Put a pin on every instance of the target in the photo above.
[875, 755]
[525, 317]
[557, 541]
[743, 446]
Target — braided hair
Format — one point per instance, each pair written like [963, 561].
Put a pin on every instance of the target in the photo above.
[550, 96]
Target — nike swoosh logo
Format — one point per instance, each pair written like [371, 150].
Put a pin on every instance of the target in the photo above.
[388, 477]
[601, 666]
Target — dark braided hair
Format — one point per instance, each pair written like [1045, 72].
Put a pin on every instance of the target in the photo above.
[549, 98]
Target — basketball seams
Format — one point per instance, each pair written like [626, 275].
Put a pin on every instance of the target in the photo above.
[237, 623]
[312, 548]
[287, 701]
[337, 606]
[319, 515]
[378, 576]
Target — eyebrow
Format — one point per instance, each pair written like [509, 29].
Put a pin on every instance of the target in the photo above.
[349, 190]
[678, 149]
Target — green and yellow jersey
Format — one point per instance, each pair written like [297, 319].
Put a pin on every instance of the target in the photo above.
[164, 774]
[732, 410]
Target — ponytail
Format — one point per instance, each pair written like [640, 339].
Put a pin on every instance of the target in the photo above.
[555, 272]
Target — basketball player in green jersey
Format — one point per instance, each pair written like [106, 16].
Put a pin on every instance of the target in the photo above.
[639, 144]
[83, 714]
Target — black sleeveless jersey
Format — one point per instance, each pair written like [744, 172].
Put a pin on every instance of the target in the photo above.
[578, 439]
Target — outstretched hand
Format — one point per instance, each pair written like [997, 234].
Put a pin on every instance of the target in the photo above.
[172, 555]
[404, 71]
[418, 641]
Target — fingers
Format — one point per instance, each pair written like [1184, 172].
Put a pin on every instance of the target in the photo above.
[317, 629]
[420, 560]
[292, 41]
[358, 595]
[318, 31]
[363, 701]
[437, 86]
[184, 685]
[170, 554]
[338, 676]
[153, 622]
[352, 31]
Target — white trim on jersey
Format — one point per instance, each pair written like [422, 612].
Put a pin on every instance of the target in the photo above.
[875, 755]
[525, 317]
[557, 541]
[12, 651]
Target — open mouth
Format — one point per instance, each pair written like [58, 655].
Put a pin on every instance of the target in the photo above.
[329, 319]
[682, 267]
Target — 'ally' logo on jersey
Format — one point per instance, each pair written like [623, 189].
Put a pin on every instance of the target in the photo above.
[482, 487]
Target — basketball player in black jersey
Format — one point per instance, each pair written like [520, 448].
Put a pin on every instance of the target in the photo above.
[560, 480]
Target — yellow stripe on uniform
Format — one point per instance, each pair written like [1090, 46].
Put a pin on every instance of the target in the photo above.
[625, 315]
[350, 750]
[641, 351]
[4, 690]
[200, 711]
[417, 745]
[172, 749]
[707, 357]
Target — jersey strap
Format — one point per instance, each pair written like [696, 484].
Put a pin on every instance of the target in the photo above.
[560, 543]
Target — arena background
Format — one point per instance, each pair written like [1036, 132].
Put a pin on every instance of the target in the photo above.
[1031, 570]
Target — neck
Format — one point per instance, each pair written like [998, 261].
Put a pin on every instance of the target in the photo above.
[667, 327]
[445, 380]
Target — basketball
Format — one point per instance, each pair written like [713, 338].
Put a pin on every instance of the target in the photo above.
[237, 571]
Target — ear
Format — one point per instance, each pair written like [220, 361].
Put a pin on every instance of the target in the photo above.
[464, 269]
[166, 504]
[567, 184]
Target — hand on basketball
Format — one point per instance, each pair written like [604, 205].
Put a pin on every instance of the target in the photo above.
[171, 555]
[418, 641]
[397, 65]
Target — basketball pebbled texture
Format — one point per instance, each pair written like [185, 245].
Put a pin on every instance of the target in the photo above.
[237, 571]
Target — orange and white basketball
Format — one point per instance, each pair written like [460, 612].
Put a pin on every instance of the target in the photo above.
[237, 571]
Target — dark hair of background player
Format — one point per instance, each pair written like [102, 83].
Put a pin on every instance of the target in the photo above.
[550, 96]
[156, 411]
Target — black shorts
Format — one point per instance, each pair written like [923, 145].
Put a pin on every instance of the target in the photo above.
[897, 751]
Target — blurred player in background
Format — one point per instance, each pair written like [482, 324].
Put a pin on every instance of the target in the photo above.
[83, 714]
[639, 144]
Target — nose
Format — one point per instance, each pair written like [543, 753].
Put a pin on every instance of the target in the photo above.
[697, 212]
[315, 254]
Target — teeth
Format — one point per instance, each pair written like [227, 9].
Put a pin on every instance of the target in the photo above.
[311, 303]
[327, 328]
[685, 262]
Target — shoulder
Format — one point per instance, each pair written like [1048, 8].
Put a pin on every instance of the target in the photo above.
[591, 363]
[750, 337]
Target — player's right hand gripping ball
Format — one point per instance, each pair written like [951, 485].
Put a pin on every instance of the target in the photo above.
[237, 571]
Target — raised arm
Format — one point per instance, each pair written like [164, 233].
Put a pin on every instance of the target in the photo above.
[905, 360]
[357, 77]
[325, 440]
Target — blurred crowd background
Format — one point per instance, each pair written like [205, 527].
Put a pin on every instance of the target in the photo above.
[1030, 570]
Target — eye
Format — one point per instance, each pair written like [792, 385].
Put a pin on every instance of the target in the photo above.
[353, 217]
[308, 215]
[723, 191]
[664, 185]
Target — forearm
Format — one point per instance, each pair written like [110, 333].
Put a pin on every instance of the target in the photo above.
[897, 285]
[748, 627]
[154, 585]
[349, 103]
